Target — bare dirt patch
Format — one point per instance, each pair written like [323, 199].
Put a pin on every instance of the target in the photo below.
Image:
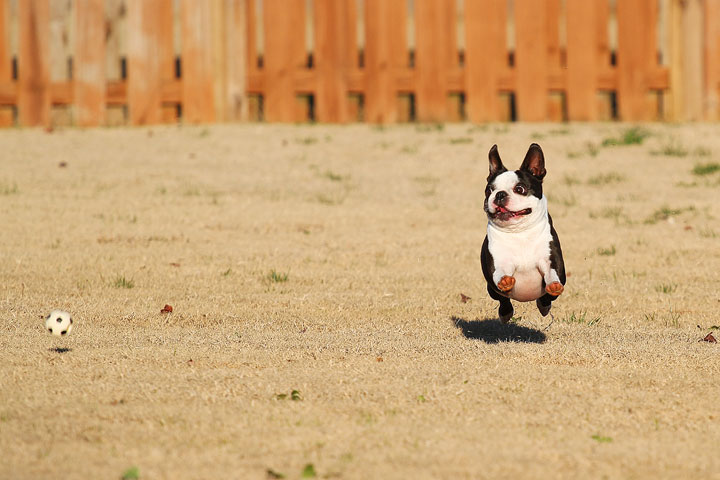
[317, 327]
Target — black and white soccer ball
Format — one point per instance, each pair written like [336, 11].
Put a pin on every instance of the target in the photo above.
[59, 323]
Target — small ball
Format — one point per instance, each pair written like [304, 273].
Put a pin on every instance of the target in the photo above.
[59, 323]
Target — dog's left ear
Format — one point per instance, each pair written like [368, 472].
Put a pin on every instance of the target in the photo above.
[534, 162]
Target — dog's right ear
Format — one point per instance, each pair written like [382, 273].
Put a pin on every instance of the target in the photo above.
[496, 165]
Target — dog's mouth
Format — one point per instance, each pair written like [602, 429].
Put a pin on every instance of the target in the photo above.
[503, 214]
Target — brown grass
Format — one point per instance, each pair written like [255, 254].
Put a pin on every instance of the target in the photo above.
[363, 362]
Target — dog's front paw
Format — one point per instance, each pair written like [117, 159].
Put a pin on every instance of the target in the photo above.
[506, 283]
[555, 289]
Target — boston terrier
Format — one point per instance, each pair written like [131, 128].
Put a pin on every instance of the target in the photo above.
[521, 255]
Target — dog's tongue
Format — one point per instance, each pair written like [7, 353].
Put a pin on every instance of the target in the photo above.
[502, 209]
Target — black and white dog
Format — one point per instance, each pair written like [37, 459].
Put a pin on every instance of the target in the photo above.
[521, 255]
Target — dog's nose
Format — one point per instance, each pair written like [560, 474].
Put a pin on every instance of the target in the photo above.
[501, 198]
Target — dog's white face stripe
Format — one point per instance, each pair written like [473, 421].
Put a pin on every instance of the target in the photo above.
[506, 182]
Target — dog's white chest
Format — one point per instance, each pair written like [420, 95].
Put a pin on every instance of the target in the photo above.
[520, 254]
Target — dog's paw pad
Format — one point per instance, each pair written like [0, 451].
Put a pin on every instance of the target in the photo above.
[555, 289]
[506, 283]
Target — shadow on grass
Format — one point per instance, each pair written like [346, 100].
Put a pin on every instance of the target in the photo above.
[494, 331]
[60, 349]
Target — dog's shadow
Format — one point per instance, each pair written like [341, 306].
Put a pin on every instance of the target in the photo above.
[494, 331]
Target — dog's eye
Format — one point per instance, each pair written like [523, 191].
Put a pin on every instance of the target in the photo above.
[520, 189]
[488, 191]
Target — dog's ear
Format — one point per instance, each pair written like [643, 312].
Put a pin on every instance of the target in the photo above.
[534, 162]
[496, 165]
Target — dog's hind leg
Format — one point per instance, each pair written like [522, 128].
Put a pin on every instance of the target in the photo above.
[505, 311]
[544, 304]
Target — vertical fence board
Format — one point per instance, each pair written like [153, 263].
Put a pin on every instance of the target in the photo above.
[332, 59]
[712, 60]
[581, 60]
[531, 60]
[636, 54]
[485, 57]
[144, 73]
[34, 62]
[284, 27]
[385, 53]
[6, 115]
[234, 104]
[435, 55]
[89, 62]
[197, 62]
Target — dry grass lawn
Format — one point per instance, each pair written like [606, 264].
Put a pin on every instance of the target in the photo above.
[315, 274]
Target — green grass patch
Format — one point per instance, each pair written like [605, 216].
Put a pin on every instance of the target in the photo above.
[7, 188]
[430, 127]
[607, 252]
[277, 277]
[132, 473]
[605, 179]
[334, 177]
[663, 213]
[122, 282]
[306, 140]
[631, 136]
[706, 168]
[580, 317]
[460, 140]
[672, 149]
[601, 439]
[666, 288]
[308, 471]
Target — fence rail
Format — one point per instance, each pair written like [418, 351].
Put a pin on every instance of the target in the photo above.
[159, 61]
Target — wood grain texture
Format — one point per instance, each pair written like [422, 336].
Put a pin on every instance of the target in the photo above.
[333, 58]
[34, 63]
[145, 37]
[531, 60]
[89, 63]
[485, 57]
[6, 114]
[385, 54]
[284, 27]
[435, 56]
[582, 61]
[197, 60]
[636, 54]
[712, 59]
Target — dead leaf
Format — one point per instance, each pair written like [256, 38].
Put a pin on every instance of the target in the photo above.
[709, 338]
[464, 298]
[174, 264]
[688, 227]
[379, 359]
[167, 309]
[62, 164]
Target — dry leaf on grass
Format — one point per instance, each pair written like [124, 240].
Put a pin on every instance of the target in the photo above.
[464, 298]
[167, 309]
[709, 338]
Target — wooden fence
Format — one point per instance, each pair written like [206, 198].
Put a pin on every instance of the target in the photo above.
[159, 61]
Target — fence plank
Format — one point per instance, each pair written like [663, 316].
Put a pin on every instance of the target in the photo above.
[197, 62]
[332, 58]
[234, 103]
[582, 60]
[6, 114]
[33, 61]
[531, 60]
[89, 62]
[144, 73]
[712, 60]
[284, 27]
[636, 54]
[485, 57]
[435, 55]
[385, 54]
